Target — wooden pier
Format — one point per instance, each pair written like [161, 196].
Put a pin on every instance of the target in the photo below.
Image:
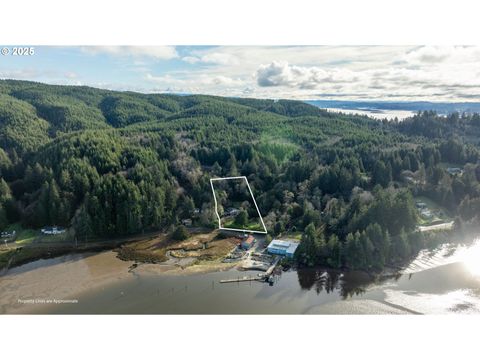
[271, 268]
[266, 276]
[241, 279]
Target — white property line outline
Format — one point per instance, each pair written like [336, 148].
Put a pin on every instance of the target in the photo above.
[254, 201]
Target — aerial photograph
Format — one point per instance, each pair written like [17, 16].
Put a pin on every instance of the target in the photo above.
[240, 180]
[246, 180]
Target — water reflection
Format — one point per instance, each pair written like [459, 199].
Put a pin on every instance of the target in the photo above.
[347, 284]
[467, 253]
[438, 281]
[353, 283]
[471, 258]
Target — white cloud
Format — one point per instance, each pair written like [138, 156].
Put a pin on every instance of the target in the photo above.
[191, 59]
[443, 54]
[70, 75]
[451, 76]
[246, 59]
[156, 52]
[20, 74]
[428, 54]
[200, 83]
[215, 58]
[279, 73]
[36, 74]
[434, 73]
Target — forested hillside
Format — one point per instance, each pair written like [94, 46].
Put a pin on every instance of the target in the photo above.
[110, 163]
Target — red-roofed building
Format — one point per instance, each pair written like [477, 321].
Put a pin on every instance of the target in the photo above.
[248, 242]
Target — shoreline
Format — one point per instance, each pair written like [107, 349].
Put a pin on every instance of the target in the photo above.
[91, 270]
[48, 285]
[35, 286]
[175, 270]
[192, 265]
[29, 287]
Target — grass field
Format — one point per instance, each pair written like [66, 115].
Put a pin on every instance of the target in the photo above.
[202, 246]
[150, 250]
[58, 238]
[23, 255]
[281, 148]
[296, 235]
[23, 236]
[253, 225]
[5, 255]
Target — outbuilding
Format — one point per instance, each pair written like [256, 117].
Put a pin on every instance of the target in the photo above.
[187, 222]
[282, 247]
[231, 212]
[248, 242]
[52, 230]
[455, 171]
[6, 234]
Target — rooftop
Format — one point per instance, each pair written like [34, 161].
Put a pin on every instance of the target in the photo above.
[287, 245]
[280, 243]
[249, 240]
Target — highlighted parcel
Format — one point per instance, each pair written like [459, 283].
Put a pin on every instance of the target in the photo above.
[235, 205]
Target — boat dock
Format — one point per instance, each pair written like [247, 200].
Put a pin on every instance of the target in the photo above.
[263, 277]
[271, 268]
[240, 279]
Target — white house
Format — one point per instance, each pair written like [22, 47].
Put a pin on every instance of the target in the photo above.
[52, 230]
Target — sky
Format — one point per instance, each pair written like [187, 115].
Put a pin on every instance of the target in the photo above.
[387, 73]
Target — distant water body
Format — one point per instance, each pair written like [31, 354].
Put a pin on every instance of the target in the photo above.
[391, 110]
[376, 114]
